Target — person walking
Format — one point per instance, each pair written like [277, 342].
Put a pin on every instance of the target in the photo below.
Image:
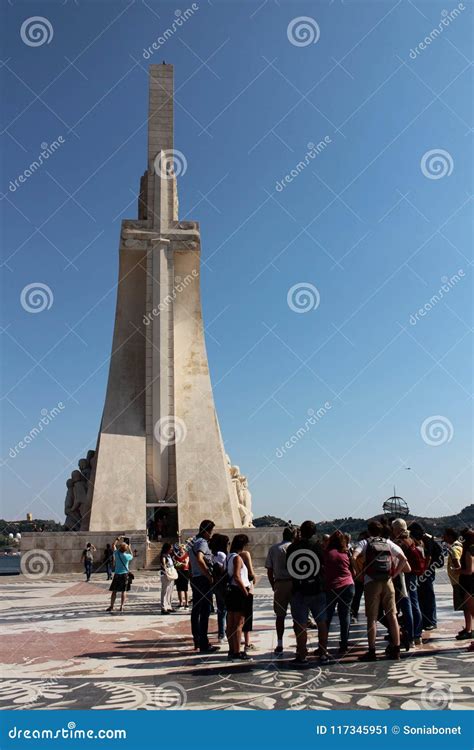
[339, 584]
[304, 560]
[122, 580]
[383, 560]
[88, 559]
[219, 546]
[281, 583]
[238, 596]
[200, 557]
[108, 561]
[181, 563]
[169, 575]
[466, 581]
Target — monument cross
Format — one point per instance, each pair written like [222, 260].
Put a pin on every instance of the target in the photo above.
[159, 443]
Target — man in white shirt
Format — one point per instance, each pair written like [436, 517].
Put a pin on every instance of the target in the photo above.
[382, 560]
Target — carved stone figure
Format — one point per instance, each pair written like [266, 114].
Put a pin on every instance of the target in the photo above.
[73, 518]
[242, 492]
[79, 489]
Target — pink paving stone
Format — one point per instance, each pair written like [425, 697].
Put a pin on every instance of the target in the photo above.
[82, 589]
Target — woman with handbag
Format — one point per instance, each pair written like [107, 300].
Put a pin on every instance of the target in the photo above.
[169, 575]
[122, 579]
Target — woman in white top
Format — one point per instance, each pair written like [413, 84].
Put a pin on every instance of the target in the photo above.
[169, 574]
[238, 597]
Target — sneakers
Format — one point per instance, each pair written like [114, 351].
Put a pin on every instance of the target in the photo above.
[369, 655]
[299, 661]
[243, 656]
[209, 650]
[466, 636]
[325, 659]
[431, 627]
[418, 642]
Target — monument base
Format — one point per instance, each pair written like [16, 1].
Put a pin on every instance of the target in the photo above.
[65, 549]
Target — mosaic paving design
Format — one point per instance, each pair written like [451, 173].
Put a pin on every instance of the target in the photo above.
[61, 650]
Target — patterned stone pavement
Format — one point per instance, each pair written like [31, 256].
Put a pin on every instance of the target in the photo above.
[60, 649]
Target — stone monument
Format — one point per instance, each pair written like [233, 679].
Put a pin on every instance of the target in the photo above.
[159, 445]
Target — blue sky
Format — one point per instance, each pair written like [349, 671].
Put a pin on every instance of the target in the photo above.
[368, 222]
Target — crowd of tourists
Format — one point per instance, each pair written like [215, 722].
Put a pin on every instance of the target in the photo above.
[392, 566]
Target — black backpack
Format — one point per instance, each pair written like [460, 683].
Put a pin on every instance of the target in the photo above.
[378, 559]
[436, 554]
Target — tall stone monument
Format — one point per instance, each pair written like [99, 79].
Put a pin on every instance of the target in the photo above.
[159, 444]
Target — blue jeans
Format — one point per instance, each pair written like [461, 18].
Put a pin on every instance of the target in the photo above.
[202, 598]
[426, 597]
[342, 599]
[88, 568]
[412, 588]
[108, 570]
[221, 613]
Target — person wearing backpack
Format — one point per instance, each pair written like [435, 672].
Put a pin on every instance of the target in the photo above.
[305, 564]
[219, 546]
[434, 559]
[383, 560]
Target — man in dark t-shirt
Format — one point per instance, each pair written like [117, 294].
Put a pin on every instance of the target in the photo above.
[304, 560]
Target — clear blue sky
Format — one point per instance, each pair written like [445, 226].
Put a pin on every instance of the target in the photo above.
[362, 223]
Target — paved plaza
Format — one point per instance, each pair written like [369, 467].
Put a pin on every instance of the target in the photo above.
[60, 649]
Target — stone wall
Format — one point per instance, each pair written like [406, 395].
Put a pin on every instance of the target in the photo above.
[260, 539]
[65, 547]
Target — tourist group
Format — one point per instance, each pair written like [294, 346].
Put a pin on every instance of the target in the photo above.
[392, 566]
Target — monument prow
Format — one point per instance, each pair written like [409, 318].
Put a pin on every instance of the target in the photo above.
[160, 448]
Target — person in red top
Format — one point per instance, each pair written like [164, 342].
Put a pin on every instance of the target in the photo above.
[181, 563]
[339, 585]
